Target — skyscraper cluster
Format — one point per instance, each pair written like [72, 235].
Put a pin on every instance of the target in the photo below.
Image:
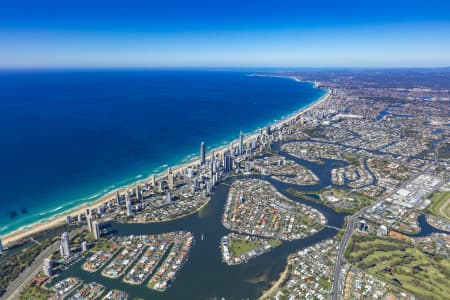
[92, 225]
[227, 163]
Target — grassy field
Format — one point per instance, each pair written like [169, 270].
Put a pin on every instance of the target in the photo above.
[399, 263]
[352, 159]
[274, 243]
[361, 200]
[239, 247]
[83, 236]
[440, 205]
[306, 195]
[102, 244]
[35, 293]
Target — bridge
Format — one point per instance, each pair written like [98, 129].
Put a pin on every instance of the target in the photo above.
[332, 227]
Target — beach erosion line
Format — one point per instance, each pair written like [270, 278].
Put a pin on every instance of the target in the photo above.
[99, 198]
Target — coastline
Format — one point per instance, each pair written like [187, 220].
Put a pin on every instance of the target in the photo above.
[59, 219]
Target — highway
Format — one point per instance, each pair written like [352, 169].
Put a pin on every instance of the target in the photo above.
[337, 267]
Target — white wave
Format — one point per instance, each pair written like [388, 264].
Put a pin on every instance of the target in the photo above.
[157, 171]
[4, 228]
[56, 209]
[51, 211]
[139, 176]
[74, 201]
[94, 196]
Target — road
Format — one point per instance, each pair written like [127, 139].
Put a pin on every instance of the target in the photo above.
[28, 274]
[349, 230]
[337, 267]
[16, 287]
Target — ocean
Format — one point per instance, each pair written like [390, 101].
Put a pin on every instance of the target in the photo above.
[70, 136]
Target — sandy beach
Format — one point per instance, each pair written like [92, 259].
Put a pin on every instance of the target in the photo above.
[59, 220]
[277, 284]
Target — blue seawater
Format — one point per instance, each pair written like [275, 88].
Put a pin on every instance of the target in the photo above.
[68, 137]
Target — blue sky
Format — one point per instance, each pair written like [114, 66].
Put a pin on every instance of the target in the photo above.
[339, 33]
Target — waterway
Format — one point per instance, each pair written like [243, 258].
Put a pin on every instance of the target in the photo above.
[425, 228]
[204, 275]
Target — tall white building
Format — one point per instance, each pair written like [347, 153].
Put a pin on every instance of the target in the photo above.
[170, 179]
[96, 230]
[84, 246]
[127, 195]
[89, 222]
[65, 245]
[130, 211]
[47, 268]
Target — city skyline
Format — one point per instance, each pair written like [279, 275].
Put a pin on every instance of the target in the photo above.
[254, 34]
[225, 150]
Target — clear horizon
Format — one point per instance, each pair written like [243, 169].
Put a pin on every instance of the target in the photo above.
[147, 34]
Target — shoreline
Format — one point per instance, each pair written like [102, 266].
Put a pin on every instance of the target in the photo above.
[275, 285]
[60, 219]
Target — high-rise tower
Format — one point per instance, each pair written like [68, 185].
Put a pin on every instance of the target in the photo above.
[117, 198]
[130, 211]
[202, 153]
[170, 179]
[47, 267]
[96, 230]
[138, 193]
[65, 245]
[241, 143]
